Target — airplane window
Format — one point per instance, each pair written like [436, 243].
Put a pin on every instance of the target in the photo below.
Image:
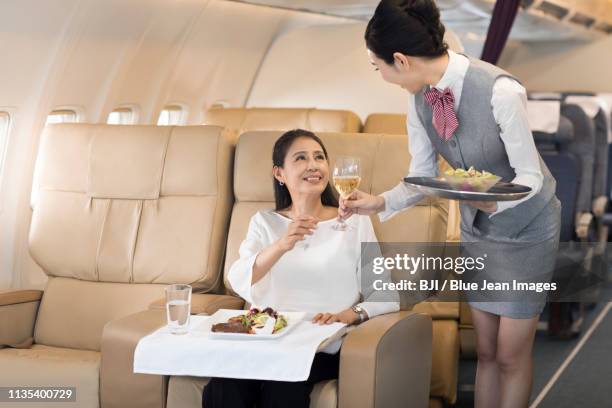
[172, 115]
[5, 122]
[121, 116]
[62, 116]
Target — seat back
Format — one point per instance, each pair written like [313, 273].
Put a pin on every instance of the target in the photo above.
[240, 120]
[565, 168]
[386, 123]
[595, 109]
[583, 147]
[123, 211]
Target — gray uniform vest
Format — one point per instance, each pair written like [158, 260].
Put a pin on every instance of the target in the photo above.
[477, 143]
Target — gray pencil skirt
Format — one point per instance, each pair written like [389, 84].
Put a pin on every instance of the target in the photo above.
[529, 256]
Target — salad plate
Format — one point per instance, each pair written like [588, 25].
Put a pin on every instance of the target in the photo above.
[251, 324]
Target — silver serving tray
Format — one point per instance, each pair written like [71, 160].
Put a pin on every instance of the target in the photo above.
[501, 191]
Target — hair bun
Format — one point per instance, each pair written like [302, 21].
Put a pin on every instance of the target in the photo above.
[428, 14]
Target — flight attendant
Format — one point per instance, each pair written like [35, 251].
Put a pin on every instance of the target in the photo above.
[473, 114]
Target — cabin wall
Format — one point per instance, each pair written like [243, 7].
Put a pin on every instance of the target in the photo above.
[559, 66]
[94, 56]
[327, 67]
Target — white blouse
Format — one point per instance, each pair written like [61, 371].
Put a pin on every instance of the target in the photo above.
[509, 107]
[320, 274]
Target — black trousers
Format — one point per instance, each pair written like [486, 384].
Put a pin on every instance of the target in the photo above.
[235, 393]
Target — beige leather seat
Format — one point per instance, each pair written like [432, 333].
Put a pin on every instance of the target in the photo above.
[386, 123]
[240, 120]
[385, 362]
[122, 211]
[442, 225]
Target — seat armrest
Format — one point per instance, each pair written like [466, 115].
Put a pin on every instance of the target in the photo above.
[205, 303]
[18, 310]
[599, 206]
[13, 297]
[583, 224]
[119, 385]
[386, 361]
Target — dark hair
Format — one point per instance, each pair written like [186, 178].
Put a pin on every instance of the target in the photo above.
[411, 27]
[281, 147]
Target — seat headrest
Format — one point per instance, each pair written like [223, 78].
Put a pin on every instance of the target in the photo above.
[591, 105]
[552, 140]
[386, 123]
[242, 120]
[128, 162]
[544, 115]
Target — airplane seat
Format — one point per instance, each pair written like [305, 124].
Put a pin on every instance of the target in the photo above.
[446, 315]
[430, 221]
[240, 120]
[583, 146]
[566, 166]
[122, 212]
[595, 108]
[384, 362]
[385, 123]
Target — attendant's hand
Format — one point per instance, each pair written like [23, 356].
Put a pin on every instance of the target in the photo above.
[360, 203]
[347, 316]
[486, 206]
[302, 225]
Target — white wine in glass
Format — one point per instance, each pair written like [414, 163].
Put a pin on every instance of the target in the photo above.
[346, 178]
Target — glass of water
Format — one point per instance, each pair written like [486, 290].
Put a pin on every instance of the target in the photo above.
[178, 307]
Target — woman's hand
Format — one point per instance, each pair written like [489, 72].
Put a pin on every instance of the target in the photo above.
[346, 316]
[486, 206]
[302, 225]
[360, 203]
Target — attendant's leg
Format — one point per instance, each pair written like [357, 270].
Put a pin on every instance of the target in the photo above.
[486, 326]
[281, 394]
[514, 358]
[230, 393]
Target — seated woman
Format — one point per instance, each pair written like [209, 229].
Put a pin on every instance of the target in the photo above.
[293, 260]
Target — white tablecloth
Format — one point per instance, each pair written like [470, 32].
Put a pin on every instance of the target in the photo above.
[287, 358]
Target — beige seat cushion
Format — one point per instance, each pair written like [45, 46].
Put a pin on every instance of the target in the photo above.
[52, 366]
[186, 392]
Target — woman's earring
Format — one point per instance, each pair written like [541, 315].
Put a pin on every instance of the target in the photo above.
[280, 183]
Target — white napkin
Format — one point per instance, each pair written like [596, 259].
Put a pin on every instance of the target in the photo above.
[544, 116]
[287, 358]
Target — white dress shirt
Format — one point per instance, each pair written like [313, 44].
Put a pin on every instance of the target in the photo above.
[509, 105]
[321, 274]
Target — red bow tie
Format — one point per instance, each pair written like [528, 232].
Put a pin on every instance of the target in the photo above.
[444, 118]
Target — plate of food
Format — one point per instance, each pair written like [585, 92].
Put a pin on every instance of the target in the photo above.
[470, 184]
[253, 324]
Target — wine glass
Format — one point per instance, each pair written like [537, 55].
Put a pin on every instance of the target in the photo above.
[346, 178]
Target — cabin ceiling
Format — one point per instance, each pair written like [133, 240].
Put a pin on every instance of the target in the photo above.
[538, 20]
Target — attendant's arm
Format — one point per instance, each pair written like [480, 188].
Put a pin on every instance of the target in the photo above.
[509, 102]
[422, 164]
